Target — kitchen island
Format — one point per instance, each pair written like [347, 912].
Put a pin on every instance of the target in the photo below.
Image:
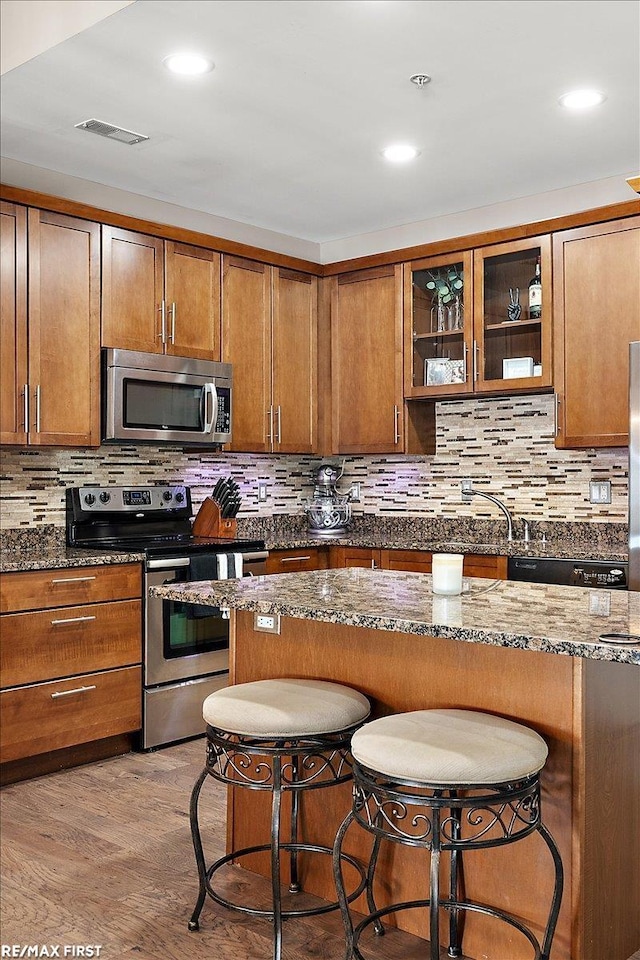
[530, 652]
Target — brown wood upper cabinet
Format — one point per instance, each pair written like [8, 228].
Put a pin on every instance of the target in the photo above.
[369, 413]
[159, 296]
[50, 338]
[468, 328]
[597, 315]
[269, 334]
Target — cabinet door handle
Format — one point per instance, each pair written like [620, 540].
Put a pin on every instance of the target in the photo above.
[396, 429]
[373, 565]
[172, 336]
[293, 559]
[270, 417]
[67, 693]
[475, 360]
[162, 310]
[556, 415]
[279, 413]
[73, 579]
[37, 395]
[465, 357]
[57, 623]
[26, 408]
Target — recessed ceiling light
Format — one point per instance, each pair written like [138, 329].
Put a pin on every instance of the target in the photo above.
[188, 64]
[400, 153]
[582, 99]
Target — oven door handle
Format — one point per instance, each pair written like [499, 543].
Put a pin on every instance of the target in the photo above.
[258, 555]
[168, 564]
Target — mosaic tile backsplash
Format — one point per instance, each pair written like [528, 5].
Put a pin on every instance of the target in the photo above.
[505, 446]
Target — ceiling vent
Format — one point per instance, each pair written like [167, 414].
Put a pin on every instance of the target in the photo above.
[111, 132]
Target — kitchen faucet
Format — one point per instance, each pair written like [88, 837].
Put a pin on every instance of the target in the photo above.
[468, 491]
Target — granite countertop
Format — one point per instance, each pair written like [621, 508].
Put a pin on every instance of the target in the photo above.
[550, 619]
[576, 541]
[557, 548]
[44, 548]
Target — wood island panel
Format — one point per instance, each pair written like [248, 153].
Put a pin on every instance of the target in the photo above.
[552, 694]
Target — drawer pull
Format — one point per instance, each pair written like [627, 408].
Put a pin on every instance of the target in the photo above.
[67, 693]
[293, 559]
[73, 579]
[56, 623]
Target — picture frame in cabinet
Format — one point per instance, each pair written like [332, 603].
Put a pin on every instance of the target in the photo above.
[441, 371]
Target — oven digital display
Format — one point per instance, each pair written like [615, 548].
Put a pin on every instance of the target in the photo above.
[136, 498]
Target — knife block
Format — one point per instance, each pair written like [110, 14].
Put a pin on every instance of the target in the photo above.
[209, 523]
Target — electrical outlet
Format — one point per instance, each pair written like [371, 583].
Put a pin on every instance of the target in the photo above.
[262, 493]
[600, 491]
[466, 486]
[266, 622]
[356, 493]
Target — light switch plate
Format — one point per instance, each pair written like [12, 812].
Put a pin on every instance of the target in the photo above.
[600, 491]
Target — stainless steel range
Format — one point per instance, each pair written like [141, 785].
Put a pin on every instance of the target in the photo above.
[186, 648]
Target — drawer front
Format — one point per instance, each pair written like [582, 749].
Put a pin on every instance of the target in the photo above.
[39, 589]
[355, 557]
[481, 565]
[417, 561]
[50, 716]
[293, 561]
[69, 640]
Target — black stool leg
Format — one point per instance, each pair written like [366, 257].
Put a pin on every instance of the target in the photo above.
[339, 882]
[194, 923]
[434, 889]
[371, 869]
[294, 885]
[455, 949]
[557, 892]
[276, 800]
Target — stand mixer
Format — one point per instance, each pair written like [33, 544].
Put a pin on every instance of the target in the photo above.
[329, 512]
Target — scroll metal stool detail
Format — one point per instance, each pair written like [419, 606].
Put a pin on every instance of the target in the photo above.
[284, 737]
[446, 781]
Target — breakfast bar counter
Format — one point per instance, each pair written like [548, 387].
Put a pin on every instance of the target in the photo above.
[529, 652]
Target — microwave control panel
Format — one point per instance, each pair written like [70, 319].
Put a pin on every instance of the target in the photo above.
[223, 422]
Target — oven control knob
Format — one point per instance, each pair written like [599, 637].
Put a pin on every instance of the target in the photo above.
[105, 497]
[179, 497]
[89, 499]
[167, 495]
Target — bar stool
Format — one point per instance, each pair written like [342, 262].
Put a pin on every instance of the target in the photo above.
[284, 737]
[446, 781]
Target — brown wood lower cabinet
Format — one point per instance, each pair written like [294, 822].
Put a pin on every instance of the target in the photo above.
[418, 561]
[48, 716]
[70, 659]
[293, 561]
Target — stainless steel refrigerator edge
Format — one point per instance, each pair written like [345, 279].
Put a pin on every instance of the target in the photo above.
[634, 466]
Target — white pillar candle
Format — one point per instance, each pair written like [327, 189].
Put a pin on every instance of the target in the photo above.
[447, 573]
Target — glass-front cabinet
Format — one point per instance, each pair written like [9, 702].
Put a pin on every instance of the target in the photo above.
[479, 321]
[438, 337]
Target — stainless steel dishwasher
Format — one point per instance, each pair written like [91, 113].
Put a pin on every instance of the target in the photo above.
[596, 574]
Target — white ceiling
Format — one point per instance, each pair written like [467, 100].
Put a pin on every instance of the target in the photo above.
[286, 132]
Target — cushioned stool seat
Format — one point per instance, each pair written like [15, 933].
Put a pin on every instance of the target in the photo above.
[449, 746]
[447, 781]
[285, 708]
[281, 736]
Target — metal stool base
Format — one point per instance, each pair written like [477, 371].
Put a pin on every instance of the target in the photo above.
[449, 819]
[285, 914]
[288, 765]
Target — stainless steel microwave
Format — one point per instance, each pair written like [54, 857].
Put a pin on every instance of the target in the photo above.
[155, 398]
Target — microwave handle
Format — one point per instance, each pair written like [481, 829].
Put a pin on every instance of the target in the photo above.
[210, 391]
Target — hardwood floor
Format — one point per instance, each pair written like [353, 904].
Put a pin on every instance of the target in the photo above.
[102, 855]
